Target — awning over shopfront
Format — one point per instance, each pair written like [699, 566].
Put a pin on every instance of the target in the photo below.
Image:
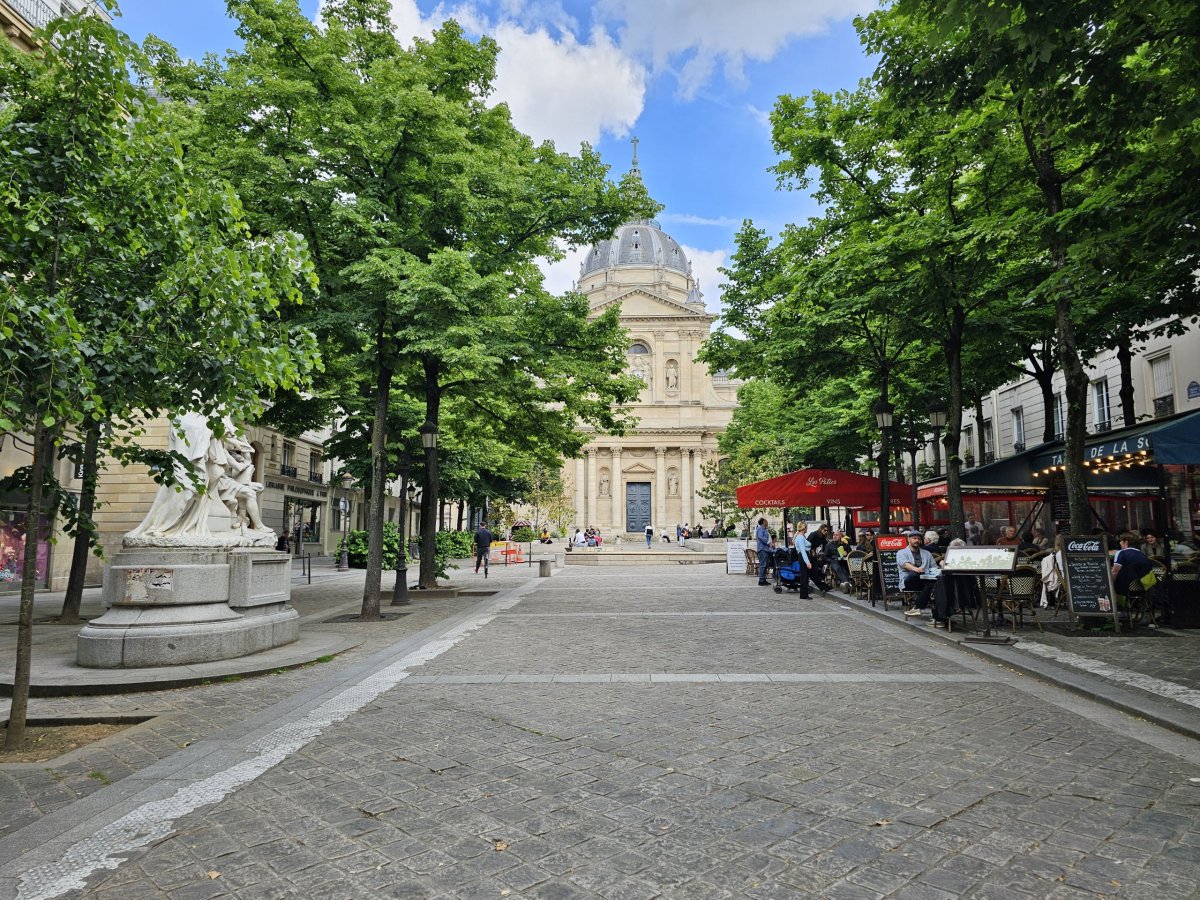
[818, 487]
[1173, 441]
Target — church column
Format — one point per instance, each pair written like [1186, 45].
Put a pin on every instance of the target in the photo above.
[618, 493]
[660, 488]
[685, 485]
[580, 494]
[593, 503]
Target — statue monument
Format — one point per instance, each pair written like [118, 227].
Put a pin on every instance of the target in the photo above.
[199, 579]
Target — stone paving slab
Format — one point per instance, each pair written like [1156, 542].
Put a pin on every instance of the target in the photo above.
[923, 771]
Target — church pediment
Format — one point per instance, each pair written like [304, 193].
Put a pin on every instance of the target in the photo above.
[638, 302]
[638, 469]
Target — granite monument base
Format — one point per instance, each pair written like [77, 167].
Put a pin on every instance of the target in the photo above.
[177, 606]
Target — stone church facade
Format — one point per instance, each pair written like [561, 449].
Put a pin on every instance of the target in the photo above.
[652, 474]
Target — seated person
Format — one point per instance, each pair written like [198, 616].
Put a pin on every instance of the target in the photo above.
[1130, 565]
[914, 561]
[839, 549]
[1008, 537]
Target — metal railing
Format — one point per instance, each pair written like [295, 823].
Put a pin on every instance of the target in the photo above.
[289, 471]
[316, 477]
[37, 13]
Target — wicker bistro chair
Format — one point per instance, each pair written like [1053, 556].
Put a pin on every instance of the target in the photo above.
[751, 562]
[859, 566]
[1019, 592]
[1140, 602]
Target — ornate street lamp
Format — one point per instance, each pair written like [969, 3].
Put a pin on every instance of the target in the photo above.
[407, 490]
[937, 421]
[344, 510]
[883, 420]
[429, 526]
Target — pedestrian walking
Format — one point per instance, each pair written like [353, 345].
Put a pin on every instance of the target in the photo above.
[649, 535]
[483, 548]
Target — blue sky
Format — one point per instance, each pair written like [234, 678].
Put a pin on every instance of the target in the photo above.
[694, 80]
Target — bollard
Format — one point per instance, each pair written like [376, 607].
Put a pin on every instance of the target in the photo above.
[544, 567]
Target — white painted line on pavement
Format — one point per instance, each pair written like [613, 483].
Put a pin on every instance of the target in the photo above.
[1148, 683]
[156, 820]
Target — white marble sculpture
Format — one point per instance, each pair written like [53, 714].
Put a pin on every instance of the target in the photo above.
[179, 515]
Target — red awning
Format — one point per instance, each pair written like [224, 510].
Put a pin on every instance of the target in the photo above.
[931, 491]
[819, 487]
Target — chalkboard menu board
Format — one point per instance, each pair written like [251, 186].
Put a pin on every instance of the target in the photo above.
[1088, 575]
[1060, 509]
[887, 572]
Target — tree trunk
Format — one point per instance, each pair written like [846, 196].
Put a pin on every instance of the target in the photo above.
[1125, 359]
[954, 421]
[14, 738]
[1043, 373]
[461, 513]
[87, 505]
[429, 496]
[980, 443]
[371, 589]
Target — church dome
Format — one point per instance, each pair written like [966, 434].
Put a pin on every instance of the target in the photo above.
[641, 244]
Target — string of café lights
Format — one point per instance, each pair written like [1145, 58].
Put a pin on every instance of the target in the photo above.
[1110, 463]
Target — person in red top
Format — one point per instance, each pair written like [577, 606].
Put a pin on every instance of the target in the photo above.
[1009, 538]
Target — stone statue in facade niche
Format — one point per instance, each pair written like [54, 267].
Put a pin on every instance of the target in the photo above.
[673, 483]
[604, 485]
[672, 377]
[220, 469]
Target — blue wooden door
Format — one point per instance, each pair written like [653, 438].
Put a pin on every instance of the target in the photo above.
[637, 505]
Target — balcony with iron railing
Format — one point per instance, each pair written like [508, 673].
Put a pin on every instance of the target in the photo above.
[316, 477]
[39, 13]
[288, 471]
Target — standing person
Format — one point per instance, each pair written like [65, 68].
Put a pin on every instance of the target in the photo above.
[914, 561]
[483, 547]
[974, 531]
[803, 553]
[763, 542]
[649, 535]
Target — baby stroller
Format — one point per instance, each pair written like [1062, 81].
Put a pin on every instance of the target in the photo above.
[787, 570]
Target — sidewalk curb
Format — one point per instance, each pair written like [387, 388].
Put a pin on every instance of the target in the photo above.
[1132, 702]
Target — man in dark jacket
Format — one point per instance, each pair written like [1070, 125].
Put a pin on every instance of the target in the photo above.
[483, 547]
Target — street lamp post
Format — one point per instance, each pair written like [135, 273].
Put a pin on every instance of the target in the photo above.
[883, 419]
[912, 445]
[344, 510]
[407, 490]
[937, 420]
[429, 442]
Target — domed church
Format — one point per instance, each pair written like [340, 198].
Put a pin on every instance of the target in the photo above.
[651, 475]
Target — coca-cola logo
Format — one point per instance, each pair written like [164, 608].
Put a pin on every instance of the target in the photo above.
[821, 480]
[891, 542]
[1084, 546]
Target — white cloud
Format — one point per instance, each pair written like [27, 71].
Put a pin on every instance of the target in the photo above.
[697, 35]
[704, 268]
[562, 275]
[692, 219]
[565, 91]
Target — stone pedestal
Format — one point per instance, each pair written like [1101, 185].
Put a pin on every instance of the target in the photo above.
[177, 606]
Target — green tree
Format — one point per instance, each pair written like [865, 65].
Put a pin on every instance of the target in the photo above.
[425, 210]
[1101, 98]
[129, 288]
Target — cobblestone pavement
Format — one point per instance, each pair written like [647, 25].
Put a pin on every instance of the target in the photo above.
[649, 732]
